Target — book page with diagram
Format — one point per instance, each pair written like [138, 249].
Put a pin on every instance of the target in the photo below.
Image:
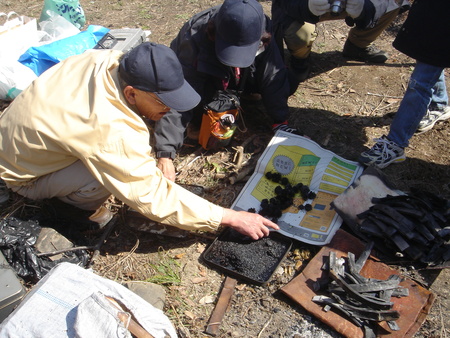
[301, 160]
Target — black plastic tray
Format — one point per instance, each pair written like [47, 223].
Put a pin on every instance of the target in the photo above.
[245, 259]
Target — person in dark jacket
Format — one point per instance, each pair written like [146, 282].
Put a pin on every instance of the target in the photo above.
[226, 47]
[424, 36]
[295, 24]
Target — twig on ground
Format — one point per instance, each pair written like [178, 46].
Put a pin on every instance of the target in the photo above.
[238, 157]
[265, 326]
[326, 140]
[377, 107]
[312, 88]
[176, 314]
[325, 94]
[123, 258]
[385, 96]
[57, 252]
[106, 232]
[361, 108]
[443, 330]
[189, 159]
[242, 174]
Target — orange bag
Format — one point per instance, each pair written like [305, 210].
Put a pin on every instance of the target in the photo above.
[219, 120]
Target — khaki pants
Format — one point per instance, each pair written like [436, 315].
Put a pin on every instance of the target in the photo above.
[73, 185]
[299, 37]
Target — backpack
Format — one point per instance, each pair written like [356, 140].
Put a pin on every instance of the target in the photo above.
[220, 120]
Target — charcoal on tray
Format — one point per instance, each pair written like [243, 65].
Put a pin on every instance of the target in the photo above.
[253, 260]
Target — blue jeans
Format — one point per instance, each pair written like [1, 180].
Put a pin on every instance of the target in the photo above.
[426, 90]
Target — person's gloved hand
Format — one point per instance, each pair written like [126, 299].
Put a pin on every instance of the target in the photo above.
[318, 7]
[354, 8]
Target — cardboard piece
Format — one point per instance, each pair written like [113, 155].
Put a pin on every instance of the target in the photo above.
[413, 309]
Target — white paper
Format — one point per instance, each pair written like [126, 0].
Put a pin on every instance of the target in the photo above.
[301, 161]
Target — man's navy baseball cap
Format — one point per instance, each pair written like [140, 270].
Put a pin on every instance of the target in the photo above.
[239, 26]
[155, 68]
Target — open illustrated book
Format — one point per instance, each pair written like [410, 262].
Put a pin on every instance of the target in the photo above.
[301, 160]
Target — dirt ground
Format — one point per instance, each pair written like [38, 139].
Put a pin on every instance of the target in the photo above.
[343, 106]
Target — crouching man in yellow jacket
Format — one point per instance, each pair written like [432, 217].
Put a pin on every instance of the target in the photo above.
[77, 135]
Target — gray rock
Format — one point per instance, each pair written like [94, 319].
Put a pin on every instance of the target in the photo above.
[50, 240]
[152, 293]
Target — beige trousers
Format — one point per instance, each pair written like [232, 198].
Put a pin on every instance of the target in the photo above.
[73, 185]
[299, 37]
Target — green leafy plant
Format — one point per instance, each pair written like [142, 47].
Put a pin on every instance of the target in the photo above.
[166, 271]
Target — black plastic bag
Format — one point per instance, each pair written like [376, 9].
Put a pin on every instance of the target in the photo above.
[17, 240]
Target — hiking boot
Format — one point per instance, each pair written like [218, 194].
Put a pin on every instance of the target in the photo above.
[301, 68]
[431, 117]
[383, 153]
[369, 54]
[101, 217]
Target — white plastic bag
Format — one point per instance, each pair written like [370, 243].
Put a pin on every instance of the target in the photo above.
[9, 21]
[52, 307]
[14, 78]
[17, 34]
[56, 27]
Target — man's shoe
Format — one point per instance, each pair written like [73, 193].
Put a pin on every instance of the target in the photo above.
[431, 117]
[369, 54]
[101, 217]
[301, 68]
[383, 153]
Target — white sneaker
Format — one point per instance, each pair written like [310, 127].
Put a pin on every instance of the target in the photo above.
[383, 153]
[431, 117]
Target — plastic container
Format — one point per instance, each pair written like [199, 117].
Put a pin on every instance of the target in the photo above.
[122, 39]
[11, 290]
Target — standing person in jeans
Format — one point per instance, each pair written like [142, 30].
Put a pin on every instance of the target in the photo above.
[425, 37]
[295, 23]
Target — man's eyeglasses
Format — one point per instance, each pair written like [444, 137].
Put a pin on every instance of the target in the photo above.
[158, 100]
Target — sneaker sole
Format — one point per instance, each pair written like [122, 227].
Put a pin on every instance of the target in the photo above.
[395, 161]
[383, 165]
[429, 127]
